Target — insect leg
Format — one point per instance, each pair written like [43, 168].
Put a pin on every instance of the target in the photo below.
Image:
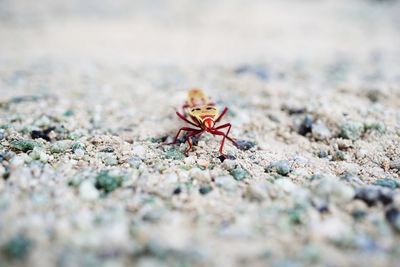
[227, 132]
[187, 129]
[187, 138]
[216, 132]
[186, 120]
[221, 115]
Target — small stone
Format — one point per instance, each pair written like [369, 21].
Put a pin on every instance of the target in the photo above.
[108, 149]
[281, 167]
[79, 152]
[60, 146]
[257, 191]
[322, 153]
[372, 195]
[375, 126]
[18, 247]
[386, 182]
[174, 153]
[395, 164]
[39, 153]
[205, 189]
[200, 175]
[108, 182]
[140, 151]
[77, 145]
[286, 185]
[238, 173]
[331, 188]
[245, 144]
[393, 217]
[44, 134]
[320, 131]
[339, 156]
[222, 158]
[203, 163]
[109, 159]
[23, 145]
[229, 164]
[88, 191]
[306, 125]
[226, 182]
[177, 191]
[351, 130]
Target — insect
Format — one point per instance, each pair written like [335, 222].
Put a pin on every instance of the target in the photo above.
[204, 116]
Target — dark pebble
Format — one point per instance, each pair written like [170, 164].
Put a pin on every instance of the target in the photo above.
[306, 125]
[177, 191]
[358, 214]
[205, 189]
[17, 247]
[160, 139]
[222, 158]
[393, 217]
[107, 150]
[372, 195]
[322, 153]
[244, 144]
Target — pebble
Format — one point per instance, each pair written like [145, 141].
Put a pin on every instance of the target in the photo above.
[376, 126]
[372, 195]
[139, 150]
[200, 175]
[38, 153]
[174, 153]
[238, 173]
[257, 191]
[320, 132]
[108, 182]
[351, 130]
[226, 182]
[393, 217]
[245, 144]
[23, 145]
[18, 247]
[286, 185]
[205, 189]
[60, 146]
[88, 191]
[386, 182]
[395, 164]
[281, 167]
[306, 125]
[332, 189]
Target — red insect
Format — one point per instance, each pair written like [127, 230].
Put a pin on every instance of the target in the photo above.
[203, 115]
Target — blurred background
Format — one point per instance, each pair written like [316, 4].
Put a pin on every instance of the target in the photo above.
[183, 32]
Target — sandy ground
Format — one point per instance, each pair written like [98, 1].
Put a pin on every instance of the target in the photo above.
[88, 97]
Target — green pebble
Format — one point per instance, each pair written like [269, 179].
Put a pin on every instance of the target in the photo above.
[205, 189]
[68, 113]
[352, 130]
[77, 145]
[376, 126]
[387, 182]
[281, 167]
[174, 153]
[24, 145]
[17, 247]
[238, 173]
[339, 156]
[107, 182]
[60, 146]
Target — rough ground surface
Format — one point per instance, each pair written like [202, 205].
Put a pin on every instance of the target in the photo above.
[88, 93]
